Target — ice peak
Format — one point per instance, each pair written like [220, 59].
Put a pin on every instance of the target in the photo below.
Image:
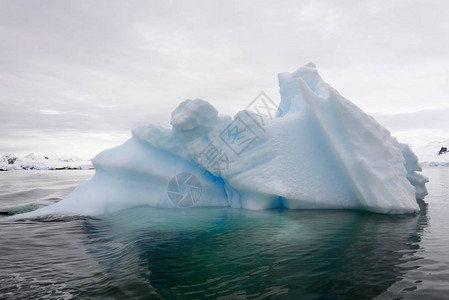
[310, 65]
[292, 92]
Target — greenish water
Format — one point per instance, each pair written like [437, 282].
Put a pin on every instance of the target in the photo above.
[209, 253]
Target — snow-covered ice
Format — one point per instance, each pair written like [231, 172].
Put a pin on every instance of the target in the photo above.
[31, 161]
[316, 151]
[428, 154]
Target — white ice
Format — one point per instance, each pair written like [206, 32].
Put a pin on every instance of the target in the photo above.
[316, 150]
[429, 154]
[31, 161]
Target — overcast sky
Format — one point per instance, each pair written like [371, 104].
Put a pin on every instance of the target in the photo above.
[77, 76]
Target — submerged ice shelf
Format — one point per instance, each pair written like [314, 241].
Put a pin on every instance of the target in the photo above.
[316, 150]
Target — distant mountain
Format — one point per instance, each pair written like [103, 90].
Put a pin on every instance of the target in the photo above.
[428, 154]
[51, 162]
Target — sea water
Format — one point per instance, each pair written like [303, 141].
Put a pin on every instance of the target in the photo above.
[210, 253]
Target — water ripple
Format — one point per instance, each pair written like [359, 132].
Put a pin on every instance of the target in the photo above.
[226, 253]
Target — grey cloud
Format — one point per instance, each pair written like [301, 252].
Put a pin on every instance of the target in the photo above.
[437, 119]
[114, 64]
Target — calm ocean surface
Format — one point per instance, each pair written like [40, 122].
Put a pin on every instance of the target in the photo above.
[208, 253]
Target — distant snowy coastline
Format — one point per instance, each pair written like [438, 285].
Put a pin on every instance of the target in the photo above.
[428, 155]
[10, 162]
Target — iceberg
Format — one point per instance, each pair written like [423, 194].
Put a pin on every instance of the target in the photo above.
[316, 150]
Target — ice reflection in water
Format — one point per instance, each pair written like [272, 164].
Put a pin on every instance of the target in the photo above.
[227, 252]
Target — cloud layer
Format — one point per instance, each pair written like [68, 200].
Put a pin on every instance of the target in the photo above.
[98, 68]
